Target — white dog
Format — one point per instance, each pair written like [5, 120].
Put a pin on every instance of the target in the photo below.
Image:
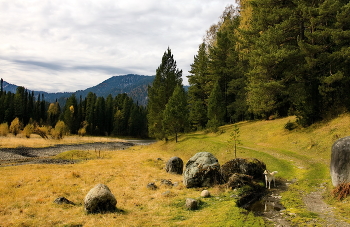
[270, 177]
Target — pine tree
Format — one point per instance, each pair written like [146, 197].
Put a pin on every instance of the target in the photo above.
[90, 112]
[200, 87]
[168, 76]
[175, 116]
[216, 108]
[20, 103]
[70, 114]
[109, 114]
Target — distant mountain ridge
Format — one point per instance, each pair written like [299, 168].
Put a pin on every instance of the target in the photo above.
[135, 86]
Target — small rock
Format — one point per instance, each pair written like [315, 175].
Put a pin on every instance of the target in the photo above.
[152, 186]
[205, 193]
[166, 182]
[63, 200]
[166, 193]
[191, 204]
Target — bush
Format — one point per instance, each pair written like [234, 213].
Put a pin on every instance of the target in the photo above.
[15, 126]
[42, 131]
[213, 125]
[290, 125]
[59, 131]
[82, 130]
[28, 130]
[4, 129]
[341, 191]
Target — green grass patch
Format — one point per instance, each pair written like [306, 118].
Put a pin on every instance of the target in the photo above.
[76, 155]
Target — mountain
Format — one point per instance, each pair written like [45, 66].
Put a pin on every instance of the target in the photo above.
[135, 86]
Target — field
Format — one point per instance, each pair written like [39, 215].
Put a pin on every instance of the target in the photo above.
[300, 156]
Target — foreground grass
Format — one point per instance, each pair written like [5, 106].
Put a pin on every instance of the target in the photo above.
[301, 156]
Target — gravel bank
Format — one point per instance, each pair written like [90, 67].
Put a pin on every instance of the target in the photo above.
[26, 155]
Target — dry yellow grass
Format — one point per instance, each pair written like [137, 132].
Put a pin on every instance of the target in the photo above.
[27, 192]
[11, 141]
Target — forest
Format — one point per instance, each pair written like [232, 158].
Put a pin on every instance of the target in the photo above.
[118, 116]
[262, 60]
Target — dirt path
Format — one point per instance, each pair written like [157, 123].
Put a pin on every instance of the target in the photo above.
[314, 203]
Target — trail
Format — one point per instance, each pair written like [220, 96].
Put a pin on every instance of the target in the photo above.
[313, 201]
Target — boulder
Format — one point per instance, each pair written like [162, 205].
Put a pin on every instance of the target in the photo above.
[239, 180]
[251, 166]
[99, 200]
[191, 204]
[174, 165]
[202, 170]
[340, 161]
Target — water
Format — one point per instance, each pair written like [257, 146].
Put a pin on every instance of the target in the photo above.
[268, 204]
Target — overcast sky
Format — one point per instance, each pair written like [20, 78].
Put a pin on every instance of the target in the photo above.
[69, 45]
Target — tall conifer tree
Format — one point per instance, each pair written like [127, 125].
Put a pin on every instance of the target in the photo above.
[168, 76]
[175, 117]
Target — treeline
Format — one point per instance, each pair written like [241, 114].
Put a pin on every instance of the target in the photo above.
[273, 58]
[264, 59]
[118, 116]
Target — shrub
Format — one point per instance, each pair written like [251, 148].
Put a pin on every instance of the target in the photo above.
[15, 126]
[59, 131]
[82, 130]
[213, 125]
[290, 125]
[41, 131]
[4, 129]
[341, 191]
[28, 130]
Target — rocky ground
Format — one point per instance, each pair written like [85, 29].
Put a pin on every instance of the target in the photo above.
[26, 155]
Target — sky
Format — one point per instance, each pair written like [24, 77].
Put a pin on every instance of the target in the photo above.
[70, 45]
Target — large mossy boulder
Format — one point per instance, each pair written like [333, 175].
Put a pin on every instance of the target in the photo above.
[100, 200]
[251, 166]
[174, 165]
[202, 170]
[340, 161]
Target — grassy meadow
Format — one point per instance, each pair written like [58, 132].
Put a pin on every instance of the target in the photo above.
[301, 156]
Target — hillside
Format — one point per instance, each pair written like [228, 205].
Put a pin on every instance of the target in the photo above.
[134, 85]
[300, 156]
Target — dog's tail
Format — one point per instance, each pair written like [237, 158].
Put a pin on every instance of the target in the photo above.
[274, 172]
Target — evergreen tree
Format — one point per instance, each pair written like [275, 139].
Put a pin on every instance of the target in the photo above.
[109, 114]
[90, 112]
[70, 114]
[175, 116]
[200, 87]
[166, 79]
[20, 103]
[216, 108]
[100, 116]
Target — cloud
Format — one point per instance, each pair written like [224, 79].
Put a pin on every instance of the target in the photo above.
[90, 41]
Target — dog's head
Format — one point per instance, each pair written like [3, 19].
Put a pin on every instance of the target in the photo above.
[266, 172]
